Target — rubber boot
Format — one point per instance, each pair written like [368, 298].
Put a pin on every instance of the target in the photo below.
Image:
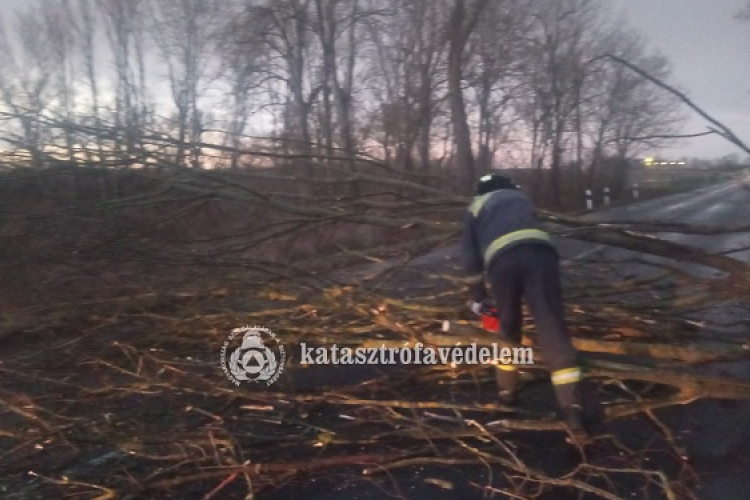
[569, 398]
[507, 383]
[592, 408]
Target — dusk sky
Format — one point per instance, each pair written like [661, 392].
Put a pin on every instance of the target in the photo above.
[710, 54]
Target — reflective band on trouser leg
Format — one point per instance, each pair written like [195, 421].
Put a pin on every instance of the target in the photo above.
[566, 376]
[506, 368]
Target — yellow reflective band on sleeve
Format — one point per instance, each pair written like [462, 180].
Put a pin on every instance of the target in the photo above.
[478, 203]
[566, 376]
[506, 368]
[523, 234]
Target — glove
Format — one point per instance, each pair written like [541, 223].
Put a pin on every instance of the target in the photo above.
[478, 308]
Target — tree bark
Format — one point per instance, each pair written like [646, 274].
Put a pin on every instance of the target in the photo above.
[461, 24]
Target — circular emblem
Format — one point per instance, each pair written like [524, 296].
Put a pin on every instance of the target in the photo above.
[252, 354]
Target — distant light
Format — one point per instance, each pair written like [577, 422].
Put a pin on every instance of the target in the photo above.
[673, 163]
[681, 163]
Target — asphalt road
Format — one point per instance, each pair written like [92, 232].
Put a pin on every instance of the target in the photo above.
[716, 433]
[724, 204]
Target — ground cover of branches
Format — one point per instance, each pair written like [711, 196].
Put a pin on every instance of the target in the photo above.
[115, 390]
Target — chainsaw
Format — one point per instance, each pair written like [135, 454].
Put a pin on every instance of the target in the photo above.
[489, 317]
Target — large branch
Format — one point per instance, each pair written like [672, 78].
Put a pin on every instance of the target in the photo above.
[644, 243]
[720, 129]
[645, 226]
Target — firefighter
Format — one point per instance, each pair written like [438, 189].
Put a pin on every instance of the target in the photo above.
[501, 239]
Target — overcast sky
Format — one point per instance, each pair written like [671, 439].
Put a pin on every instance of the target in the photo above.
[710, 54]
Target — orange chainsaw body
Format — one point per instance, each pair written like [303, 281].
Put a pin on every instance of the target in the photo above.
[491, 321]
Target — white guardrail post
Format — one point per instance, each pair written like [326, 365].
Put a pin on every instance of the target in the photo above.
[589, 200]
[606, 196]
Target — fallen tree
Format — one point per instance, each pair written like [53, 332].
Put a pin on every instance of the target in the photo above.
[164, 261]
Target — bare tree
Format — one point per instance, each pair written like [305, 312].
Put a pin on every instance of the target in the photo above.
[60, 23]
[463, 20]
[243, 66]
[493, 72]
[339, 27]
[281, 30]
[183, 31]
[124, 22]
[87, 31]
[407, 49]
[26, 80]
[426, 80]
[561, 34]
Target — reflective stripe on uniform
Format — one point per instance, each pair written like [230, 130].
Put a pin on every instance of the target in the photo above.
[566, 376]
[503, 241]
[478, 203]
[506, 368]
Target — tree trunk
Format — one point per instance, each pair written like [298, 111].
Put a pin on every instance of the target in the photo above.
[461, 133]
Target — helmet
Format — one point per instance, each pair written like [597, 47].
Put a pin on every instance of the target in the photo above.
[494, 182]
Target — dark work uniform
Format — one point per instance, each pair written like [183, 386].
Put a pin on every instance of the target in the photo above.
[501, 237]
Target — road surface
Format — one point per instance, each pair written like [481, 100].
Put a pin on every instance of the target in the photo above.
[717, 434]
